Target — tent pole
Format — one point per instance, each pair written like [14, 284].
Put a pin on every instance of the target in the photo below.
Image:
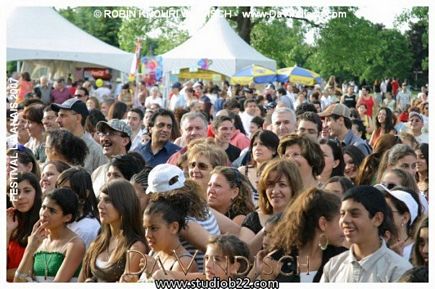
[18, 66]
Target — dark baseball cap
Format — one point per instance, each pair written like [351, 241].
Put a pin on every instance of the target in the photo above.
[72, 104]
[177, 85]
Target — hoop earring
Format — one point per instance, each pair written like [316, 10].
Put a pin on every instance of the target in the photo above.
[323, 242]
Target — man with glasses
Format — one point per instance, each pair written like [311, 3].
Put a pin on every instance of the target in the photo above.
[115, 138]
[71, 115]
[160, 147]
[416, 124]
[81, 94]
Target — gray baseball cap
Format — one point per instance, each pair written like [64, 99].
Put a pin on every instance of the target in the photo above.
[115, 124]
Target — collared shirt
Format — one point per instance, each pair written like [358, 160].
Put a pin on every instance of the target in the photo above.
[137, 141]
[99, 178]
[351, 139]
[384, 265]
[95, 157]
[59, 97]
[160, 157]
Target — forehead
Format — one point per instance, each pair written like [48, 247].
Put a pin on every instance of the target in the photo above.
[283, 116]
[226, 123]
[163, 119]
[350, 204]
[24, 183]
[132, 114]
[49, 113]
[407, 159]
[213, 250]
[293, 148]
[307, 124]
[195, 122]
[199, 157]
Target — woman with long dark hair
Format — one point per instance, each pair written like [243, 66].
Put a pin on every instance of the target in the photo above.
[21, 217]
[384, 125]
[121, 230]
[87, 223]
[334, 162]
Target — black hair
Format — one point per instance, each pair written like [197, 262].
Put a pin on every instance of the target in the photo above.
[258, 121]
[345, 182]
[25, 156]
[238, 124]
[355, 153]
[67, 200]
[81, 184]
[138, 111]
[312, 117]
[338, 155]
[360, 127]
[84, 89]
[172, 206]
[72, 148]
[418, 274]
[95, 116]
[373, 201]
[168, 113]
[304, 107]
[128, 164]
[26, 220]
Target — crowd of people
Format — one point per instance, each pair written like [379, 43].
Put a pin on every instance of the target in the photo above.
[112, 182]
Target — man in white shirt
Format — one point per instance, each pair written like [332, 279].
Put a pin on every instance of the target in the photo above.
[250, 107]
[365, 218]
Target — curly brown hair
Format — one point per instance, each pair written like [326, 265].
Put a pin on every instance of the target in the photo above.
[242, 204]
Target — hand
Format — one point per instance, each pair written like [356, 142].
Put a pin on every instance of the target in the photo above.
[12, 221]
[39, 233]
[129, 278]
[270, 267]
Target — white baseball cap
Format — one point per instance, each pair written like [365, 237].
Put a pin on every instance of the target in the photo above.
[165, 177]
[408, 200]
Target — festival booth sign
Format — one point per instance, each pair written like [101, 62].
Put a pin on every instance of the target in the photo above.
[298, 75]
[253, 73]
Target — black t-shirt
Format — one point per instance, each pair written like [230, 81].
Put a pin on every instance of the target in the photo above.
[252, 222]
[232, 152]
[350, 101]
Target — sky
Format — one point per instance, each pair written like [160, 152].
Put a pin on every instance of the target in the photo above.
[198, 13]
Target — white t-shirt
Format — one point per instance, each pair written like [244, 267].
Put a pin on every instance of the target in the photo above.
[87, 228]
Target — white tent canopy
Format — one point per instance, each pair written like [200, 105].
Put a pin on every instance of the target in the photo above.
[218, 42]
[40, 33]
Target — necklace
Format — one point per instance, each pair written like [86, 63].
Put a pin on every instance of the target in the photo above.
[46, 263]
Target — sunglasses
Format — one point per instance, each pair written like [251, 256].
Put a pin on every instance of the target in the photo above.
[199, 165]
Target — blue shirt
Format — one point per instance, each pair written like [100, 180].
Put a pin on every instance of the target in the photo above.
[351, 139]
[161, 157]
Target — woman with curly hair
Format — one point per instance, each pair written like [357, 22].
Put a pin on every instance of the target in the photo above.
[229, 193]
[62, 145]
[384, 125]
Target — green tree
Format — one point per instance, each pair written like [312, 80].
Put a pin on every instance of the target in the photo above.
[159, 35]
[345, 47]
[104, 28]
[280, 42]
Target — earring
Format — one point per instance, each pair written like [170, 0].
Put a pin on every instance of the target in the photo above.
[323, 242]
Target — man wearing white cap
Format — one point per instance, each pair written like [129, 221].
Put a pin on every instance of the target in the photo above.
[416, 124]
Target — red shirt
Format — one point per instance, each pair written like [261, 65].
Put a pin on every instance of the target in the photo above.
[15, 254]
